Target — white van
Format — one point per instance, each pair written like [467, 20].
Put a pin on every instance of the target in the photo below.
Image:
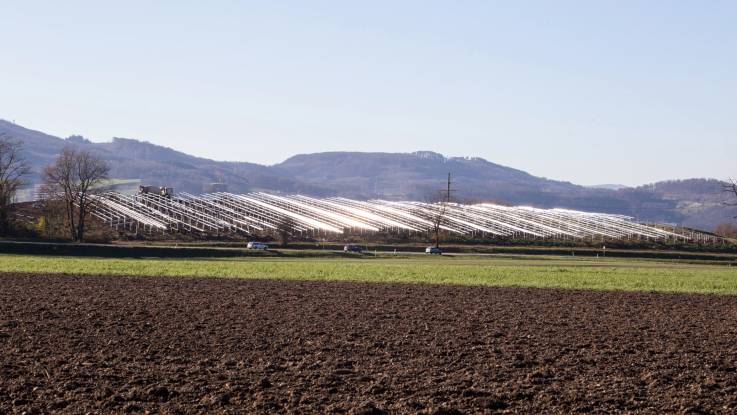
[257, 245]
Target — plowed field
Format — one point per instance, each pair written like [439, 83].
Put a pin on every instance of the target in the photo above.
[103, 344]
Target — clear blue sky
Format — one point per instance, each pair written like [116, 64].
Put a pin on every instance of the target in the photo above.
[589, 91]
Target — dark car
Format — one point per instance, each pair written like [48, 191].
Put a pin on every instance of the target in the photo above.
[433, 250]
[352, 248]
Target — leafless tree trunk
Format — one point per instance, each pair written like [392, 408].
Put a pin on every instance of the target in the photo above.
[12, 170]
[75, 177]
[284, 230]
[438, 219]
[440, 199]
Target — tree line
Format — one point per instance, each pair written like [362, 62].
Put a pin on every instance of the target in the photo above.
[71, 182]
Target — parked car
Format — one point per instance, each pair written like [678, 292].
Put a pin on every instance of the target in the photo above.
[352, 248]
[433, 250]
[257, 245]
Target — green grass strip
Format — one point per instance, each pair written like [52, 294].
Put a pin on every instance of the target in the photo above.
[548, 272]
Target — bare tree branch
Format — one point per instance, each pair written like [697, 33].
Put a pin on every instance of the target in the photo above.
[726, 230]
[74, 177]
[285, 229]
[438, 217]
[440, 201]
[13, 169]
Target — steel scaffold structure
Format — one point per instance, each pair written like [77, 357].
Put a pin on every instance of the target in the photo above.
[223, 213]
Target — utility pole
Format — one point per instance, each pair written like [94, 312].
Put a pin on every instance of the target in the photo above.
[444, 202]
[447, 199]
[449, 189]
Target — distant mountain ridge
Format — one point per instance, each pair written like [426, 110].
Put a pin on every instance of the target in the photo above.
[158, 165]
[417, 175]
[414, 176]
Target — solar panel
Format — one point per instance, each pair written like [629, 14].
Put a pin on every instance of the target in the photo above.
[221, 213]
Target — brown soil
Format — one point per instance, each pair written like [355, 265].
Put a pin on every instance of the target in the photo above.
[112, 344]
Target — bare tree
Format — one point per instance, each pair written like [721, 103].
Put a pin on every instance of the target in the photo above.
[437, 219]
[12, 170]
[285, 229]
[52, 222]
[440, 200]
[726, 230]
[74, 178]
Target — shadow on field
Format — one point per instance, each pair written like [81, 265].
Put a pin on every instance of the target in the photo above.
[117, 251]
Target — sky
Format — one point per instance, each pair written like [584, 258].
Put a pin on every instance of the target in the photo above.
[593, 92]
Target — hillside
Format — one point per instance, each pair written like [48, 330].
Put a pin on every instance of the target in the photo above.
[157, 165]
[699, 202]
[416, 176]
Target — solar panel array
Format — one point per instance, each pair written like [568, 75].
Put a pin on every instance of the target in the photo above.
[252, 213]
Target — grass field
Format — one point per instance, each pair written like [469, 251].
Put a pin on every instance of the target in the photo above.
[522, 271]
